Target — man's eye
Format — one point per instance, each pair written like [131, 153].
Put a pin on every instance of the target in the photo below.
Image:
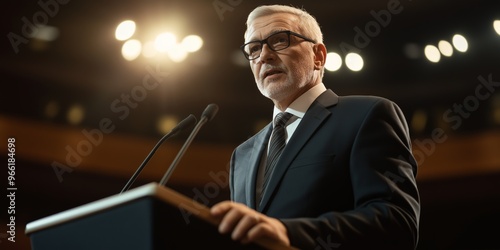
[278, 41]
[281, 40]
[253, 48]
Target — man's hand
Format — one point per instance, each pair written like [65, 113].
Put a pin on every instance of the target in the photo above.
[247, 225]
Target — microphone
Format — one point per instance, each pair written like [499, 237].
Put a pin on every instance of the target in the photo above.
[187, 122]
[207, 115]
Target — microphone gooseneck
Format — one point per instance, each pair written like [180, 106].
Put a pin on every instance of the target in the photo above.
[187, 122]
[207, 115]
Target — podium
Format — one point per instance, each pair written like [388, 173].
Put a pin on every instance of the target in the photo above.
[146, 218]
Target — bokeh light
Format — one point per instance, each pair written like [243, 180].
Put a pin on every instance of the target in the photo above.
[131, 49]
[149, 50]
[333, 61]
[177, 53]
[496, 26]
[354, 61]
[51, 109]
[445, 48]
[165, 42]
[125, 30]
[192, 43]
[75, 114]
[432, 53]
[166, 123]
[460, 43]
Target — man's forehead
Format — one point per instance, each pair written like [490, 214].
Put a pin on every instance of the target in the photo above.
[264, 26]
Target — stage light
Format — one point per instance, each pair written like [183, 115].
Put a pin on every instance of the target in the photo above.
[495, 109]
[165, 42]
[51, 109]
[432, 53]
[192, 43]
[166, 123]
[131, 49]
[354, 61]
[125, 30]
[460, 43]
[148, 50]
[496, 26]
[419, 121]
[46, 33]
[75, 114]
[445, 48]
[333, 61]
[177, 53]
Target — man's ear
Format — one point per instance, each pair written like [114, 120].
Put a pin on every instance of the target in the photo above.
[319, 55]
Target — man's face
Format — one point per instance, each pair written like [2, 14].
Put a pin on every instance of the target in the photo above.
[286, 74]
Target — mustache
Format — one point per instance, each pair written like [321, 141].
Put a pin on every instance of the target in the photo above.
[266, 69]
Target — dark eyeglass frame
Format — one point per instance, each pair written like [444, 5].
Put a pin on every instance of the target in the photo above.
[288, 32]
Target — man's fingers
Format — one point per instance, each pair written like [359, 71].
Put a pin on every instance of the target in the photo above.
[247, 222]
[221, 208]
[262, 230]
[247, 225]
[230, 220]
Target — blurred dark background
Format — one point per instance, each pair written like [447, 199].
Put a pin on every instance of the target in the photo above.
[83, 117]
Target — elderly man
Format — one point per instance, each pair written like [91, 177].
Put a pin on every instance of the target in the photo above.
[330, 170]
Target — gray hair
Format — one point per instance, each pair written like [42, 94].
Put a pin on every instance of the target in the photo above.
[308, 26]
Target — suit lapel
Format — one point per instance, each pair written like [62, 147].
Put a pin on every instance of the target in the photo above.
[311, 121]
[259, 145]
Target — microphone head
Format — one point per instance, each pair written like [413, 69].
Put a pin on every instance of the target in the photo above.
[210, 111]
[187, 122]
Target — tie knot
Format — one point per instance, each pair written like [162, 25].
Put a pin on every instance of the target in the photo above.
[282, 118]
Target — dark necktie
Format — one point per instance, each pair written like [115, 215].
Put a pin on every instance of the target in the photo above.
[278, 142]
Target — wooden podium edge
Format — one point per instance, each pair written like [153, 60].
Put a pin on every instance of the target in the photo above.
[90, 208]
[152, 189]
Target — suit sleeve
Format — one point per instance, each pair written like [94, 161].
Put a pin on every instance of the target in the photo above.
[386, 206]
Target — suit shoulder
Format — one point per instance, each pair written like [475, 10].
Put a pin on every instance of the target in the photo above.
[249, 142]
[365, 104]
[364, 99]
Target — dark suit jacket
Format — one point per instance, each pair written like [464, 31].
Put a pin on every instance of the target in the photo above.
[345, 180]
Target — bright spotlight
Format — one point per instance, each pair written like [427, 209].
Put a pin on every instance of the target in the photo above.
[148, 50]
[496, 26]
[192, 43]
[445, 48]
[131, 49]
[165, 42]
[333, 61]
[460, 43]
[125, 30]
[432, 53]
[177, 53]
[354, 61]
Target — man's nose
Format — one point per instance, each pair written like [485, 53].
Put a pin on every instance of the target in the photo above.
[266, 53]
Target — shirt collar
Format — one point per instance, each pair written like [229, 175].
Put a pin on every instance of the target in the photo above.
[299, 107]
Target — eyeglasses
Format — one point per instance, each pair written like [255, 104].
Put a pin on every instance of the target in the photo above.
[276, 42]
